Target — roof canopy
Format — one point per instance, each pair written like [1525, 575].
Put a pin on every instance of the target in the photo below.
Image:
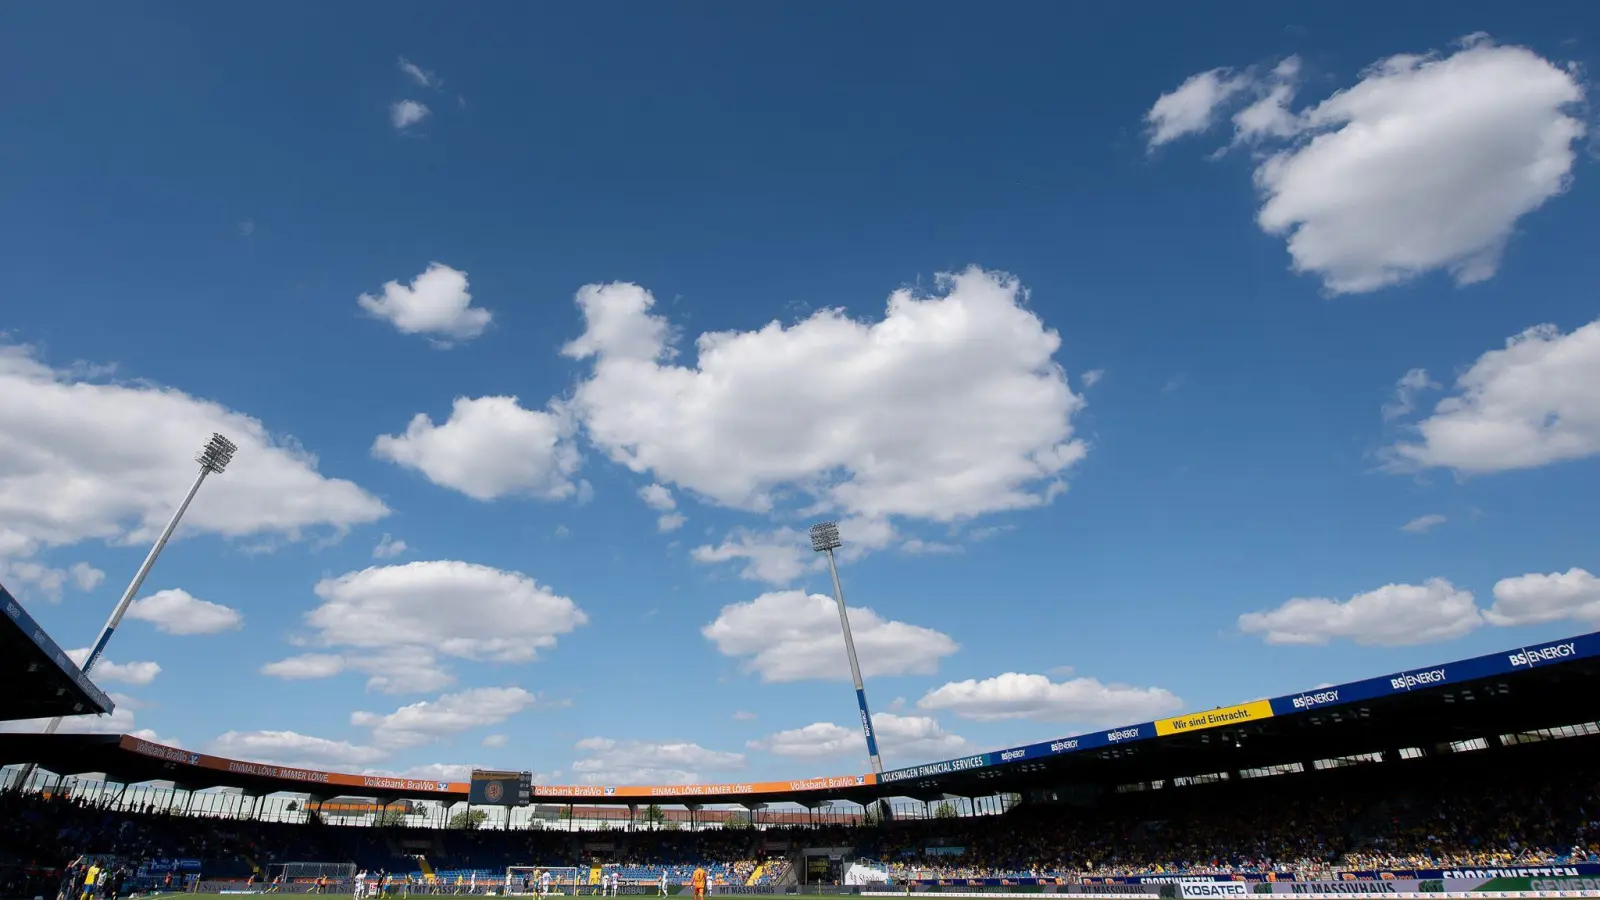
[1545, 685]
[41, 682]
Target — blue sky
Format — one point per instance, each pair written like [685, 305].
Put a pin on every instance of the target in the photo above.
[1229, 308]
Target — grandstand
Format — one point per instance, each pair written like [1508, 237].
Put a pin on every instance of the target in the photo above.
[1469, 770]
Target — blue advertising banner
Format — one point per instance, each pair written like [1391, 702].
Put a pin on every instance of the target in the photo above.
[1575, 870]
[1503, 663]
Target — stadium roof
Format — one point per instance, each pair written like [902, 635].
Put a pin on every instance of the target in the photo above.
[1547, 685]
[41, 681]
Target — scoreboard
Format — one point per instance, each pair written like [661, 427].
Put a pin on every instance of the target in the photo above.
[500, 788]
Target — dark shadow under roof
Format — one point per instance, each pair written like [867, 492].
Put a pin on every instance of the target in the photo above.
[40, 680]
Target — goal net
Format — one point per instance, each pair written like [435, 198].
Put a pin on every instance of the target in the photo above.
[532, 880]
[310, 871]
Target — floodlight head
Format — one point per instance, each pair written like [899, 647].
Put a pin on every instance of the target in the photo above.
[825, 536]
[217, 454]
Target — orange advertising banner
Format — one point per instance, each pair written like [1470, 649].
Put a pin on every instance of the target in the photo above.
[310, 777]
[668, 792]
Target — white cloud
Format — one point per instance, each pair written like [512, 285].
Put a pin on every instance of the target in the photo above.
[176, 611]
[428, 720]
[1426, 164]
[1393, 615]
[1423, 524]
[491, 447]
[436, 303]
[134, 673]
[389, 547]
[950, 406]
[909, 739]
[421, 76]
[121, 721]
[401, 670]
[495, 740]
[305, 666]
[609, 761]
[493, 615]
[1530, 404]
[660, 499]
[1192, 108]
[1406, 390]
[440, 772]
[128, 452]
[1093, 377]
[290, 748]
[781, 555]
[1534, 598]
[920, 547]
[406, 113]
[1014, 695]
[395, 670]
[791, 636]
[743, 716]
[776, 557]
[657, 498]
[1269, 115]
[47, 580]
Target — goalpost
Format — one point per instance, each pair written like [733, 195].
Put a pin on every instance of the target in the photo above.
[527, 881]
[309, 871]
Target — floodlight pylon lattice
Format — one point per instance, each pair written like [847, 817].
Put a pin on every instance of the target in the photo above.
[825, 539]
[213, 459]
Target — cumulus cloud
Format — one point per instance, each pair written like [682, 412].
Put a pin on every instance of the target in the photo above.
[779, 556]
[406, 113]
[428, 720]
[48, 581]
[128, 452]
[1423, 524]
[135, 673]
[661, 500]
[176, 611]
[305, 666]
[949, 406]
[493, 614]
[1192, 107]
[1392, 615]
[436, 304]
[290, 748]
[911, 739]
[792, 636]
[121, 721]
[495, 740]
[1426, 164]
[1530, 404]
[388, 547]
[491, 447]
[1535, 598]
[418, 74]
[1014, 695]
[609, 761]
[1406, 390]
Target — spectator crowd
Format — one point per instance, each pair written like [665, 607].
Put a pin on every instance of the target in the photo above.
[1358, 818]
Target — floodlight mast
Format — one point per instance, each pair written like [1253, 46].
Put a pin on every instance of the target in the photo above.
[213, 459]
[825, 539]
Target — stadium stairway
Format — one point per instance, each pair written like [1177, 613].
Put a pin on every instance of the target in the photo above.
[594, 875]
[755, 875]
[427, 870]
